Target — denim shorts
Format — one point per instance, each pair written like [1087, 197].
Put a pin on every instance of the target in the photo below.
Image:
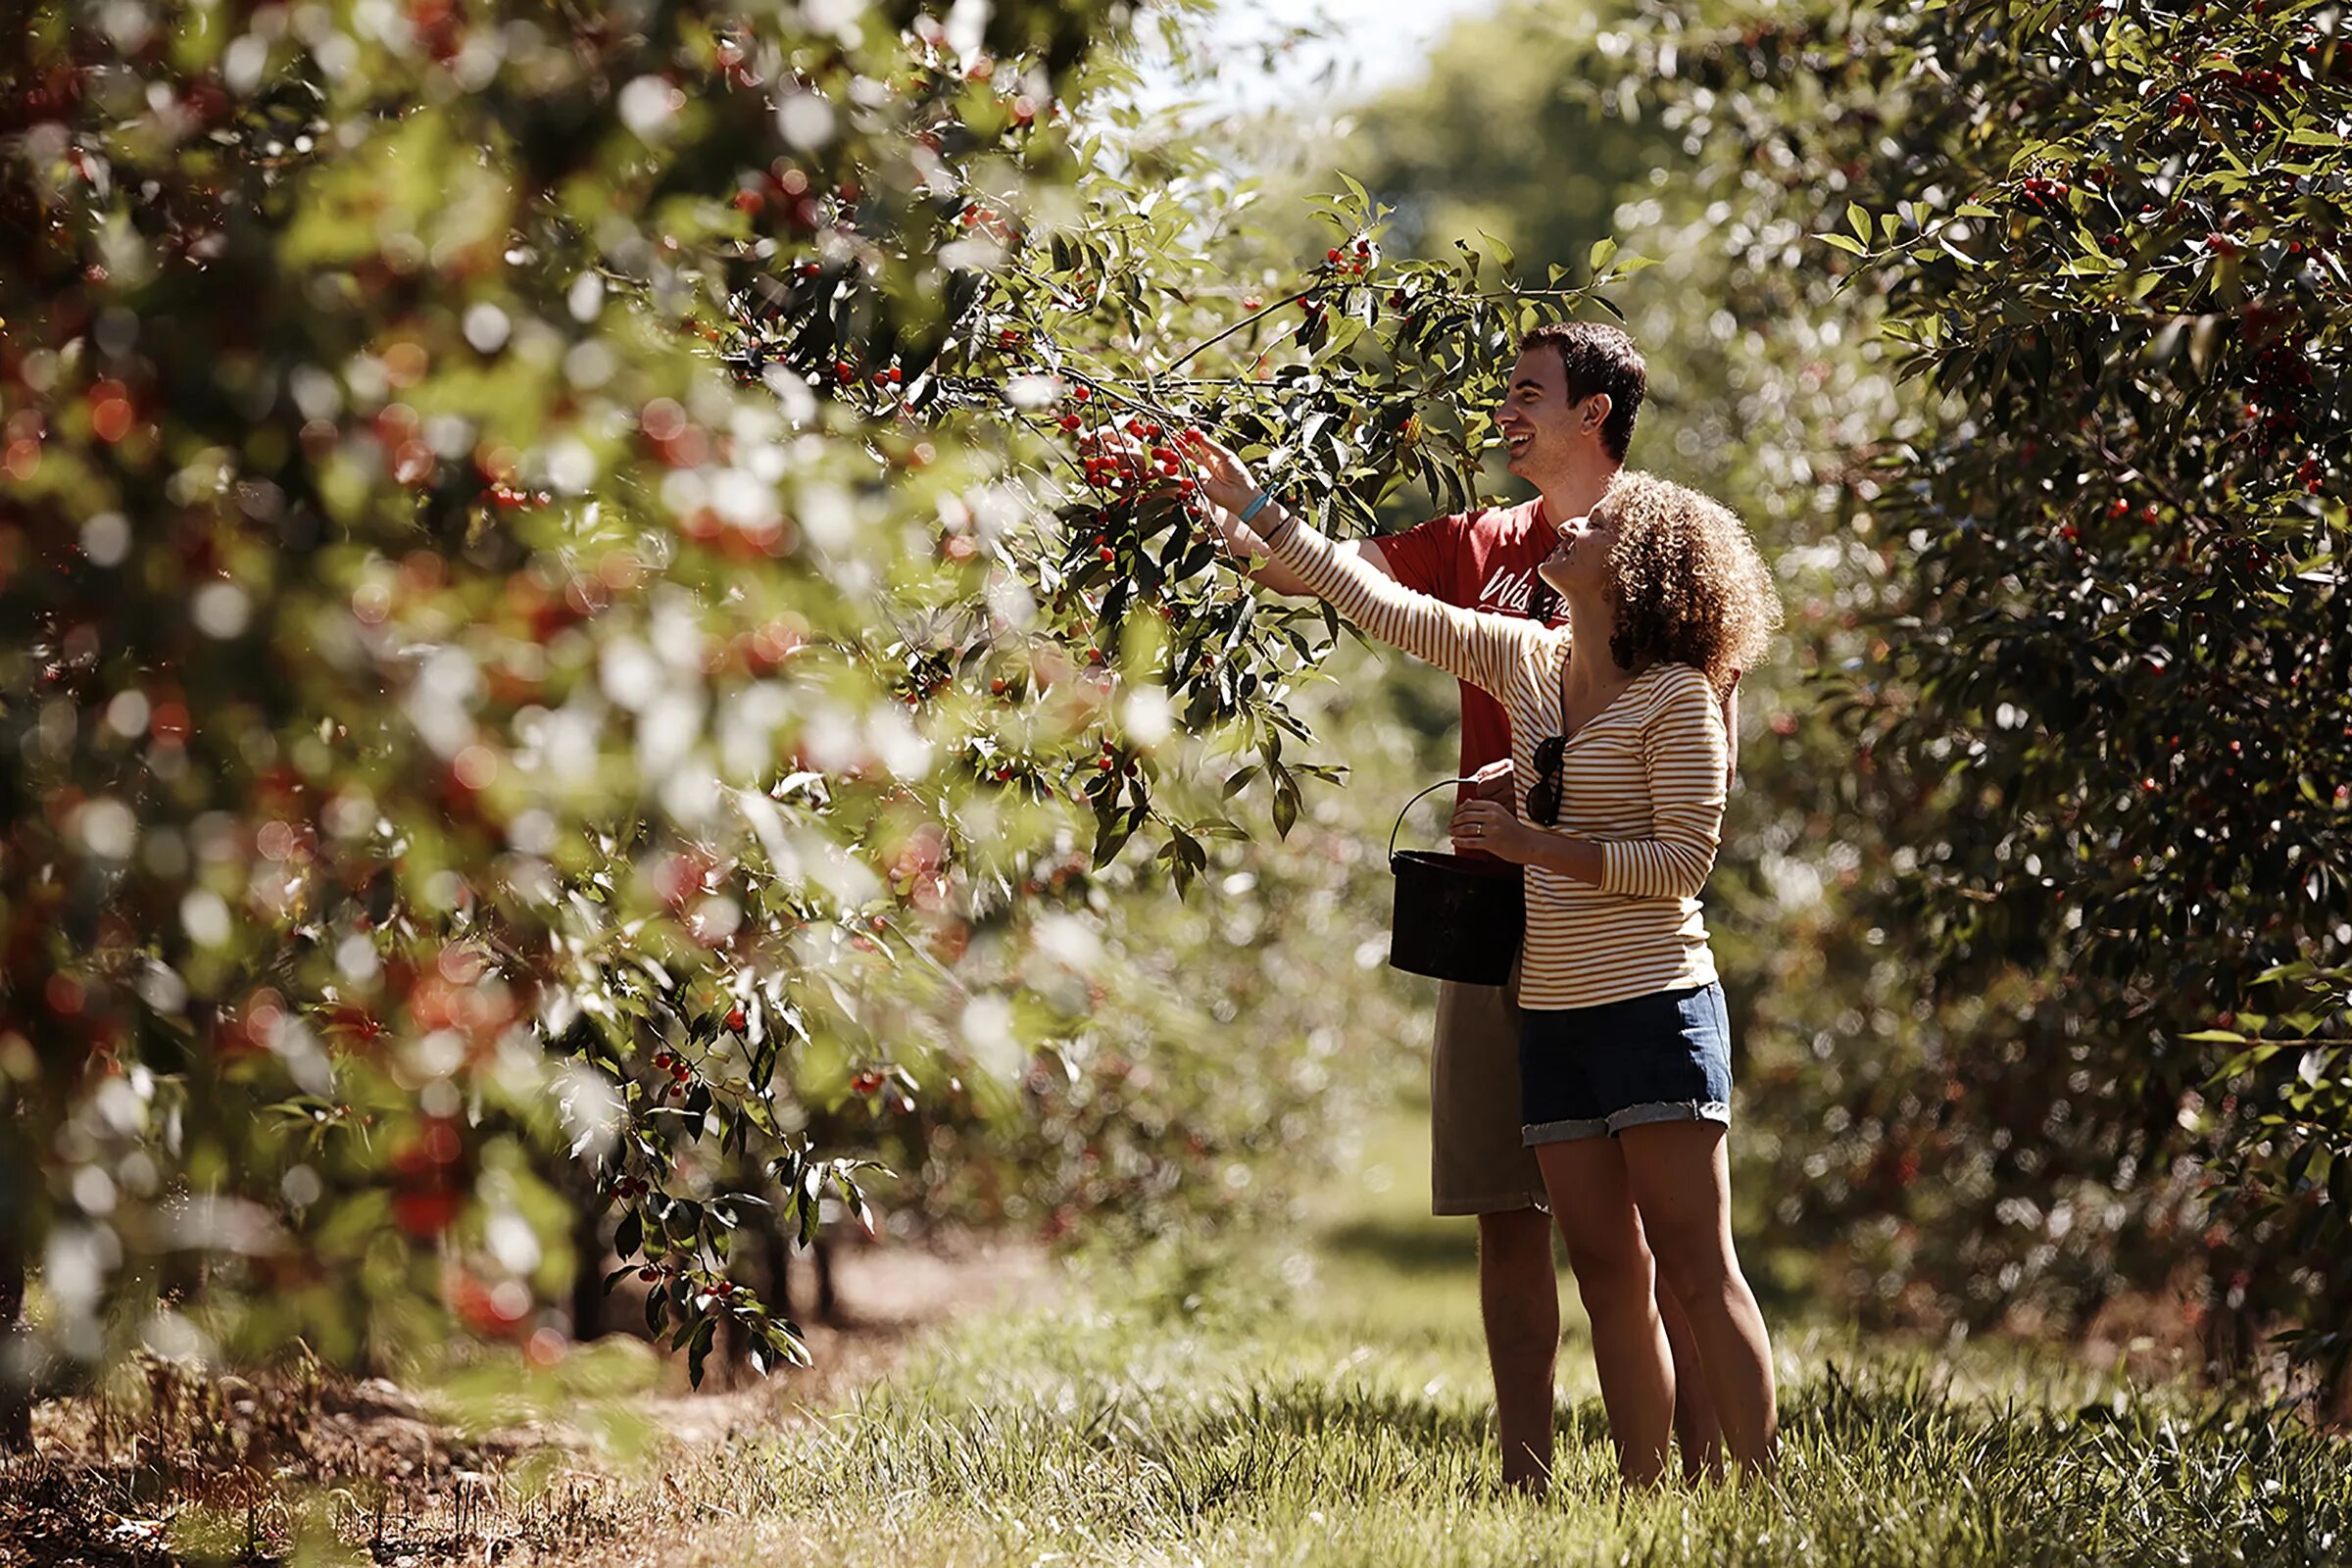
[1591, 1072]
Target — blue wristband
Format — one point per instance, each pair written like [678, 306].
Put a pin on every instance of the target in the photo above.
[1257, 506]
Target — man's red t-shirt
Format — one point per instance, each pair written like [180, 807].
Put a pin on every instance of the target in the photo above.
[1484, 560]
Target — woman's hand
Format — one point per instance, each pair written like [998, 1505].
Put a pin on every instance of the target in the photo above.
[1493, 826]
[1492, 782]
[1225, 480]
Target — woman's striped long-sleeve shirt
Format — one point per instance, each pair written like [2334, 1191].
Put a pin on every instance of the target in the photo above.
[1645, 778]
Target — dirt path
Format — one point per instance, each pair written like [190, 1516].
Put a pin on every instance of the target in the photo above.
[238, 1466]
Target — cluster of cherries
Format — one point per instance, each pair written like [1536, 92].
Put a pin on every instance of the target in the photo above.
[1120, 467]
[870, 1082]
[2280, 382]
[845, 372]
[2038, 190]
[680, 1072]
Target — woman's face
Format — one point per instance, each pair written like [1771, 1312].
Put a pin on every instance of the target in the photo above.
[1580, 567]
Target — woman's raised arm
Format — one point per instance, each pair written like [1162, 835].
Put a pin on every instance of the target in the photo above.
[1480, 649]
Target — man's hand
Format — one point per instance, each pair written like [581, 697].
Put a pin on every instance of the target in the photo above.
[1493, 826]
[1492, 782]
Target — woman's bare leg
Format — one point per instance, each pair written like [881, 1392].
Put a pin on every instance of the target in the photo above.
[1697, 1432]
[1593, 1202]
[1679, 1175]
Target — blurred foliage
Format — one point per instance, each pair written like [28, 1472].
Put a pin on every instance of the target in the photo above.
[2017, 330]
[582, 666]
[583, 676]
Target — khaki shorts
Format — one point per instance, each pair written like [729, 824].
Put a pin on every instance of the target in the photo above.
[1478, 1160]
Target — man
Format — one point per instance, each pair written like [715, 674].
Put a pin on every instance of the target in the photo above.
[1566, 418]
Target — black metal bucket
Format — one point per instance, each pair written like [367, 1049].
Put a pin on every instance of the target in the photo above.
[1455, 918]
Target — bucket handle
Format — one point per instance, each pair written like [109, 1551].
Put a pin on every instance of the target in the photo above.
[1409, 805]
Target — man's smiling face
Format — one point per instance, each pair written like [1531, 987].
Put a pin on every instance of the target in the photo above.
[1539, 424]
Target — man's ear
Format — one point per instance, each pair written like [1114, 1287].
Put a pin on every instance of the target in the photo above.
[1596, 412]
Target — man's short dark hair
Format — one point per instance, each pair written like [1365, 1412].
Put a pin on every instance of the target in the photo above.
[1598, 359]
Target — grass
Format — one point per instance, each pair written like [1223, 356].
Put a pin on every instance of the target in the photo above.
[1320, 1396]
[1322, 1399]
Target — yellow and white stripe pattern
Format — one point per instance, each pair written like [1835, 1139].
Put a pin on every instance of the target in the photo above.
[1645, 779]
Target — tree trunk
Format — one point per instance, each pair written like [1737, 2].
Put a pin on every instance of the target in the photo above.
[588, 1258]
[16, 1390]
[829, 1303]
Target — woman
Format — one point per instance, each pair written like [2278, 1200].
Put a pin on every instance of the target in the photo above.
[1618, 758]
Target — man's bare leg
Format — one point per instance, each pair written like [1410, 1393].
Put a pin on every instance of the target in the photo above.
[1519, 1299]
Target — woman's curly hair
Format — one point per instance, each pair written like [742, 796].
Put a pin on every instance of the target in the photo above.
[1687, 584]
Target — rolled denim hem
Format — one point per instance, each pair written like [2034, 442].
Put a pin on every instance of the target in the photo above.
[1714, 1111]
[1562, 1132]
[1454, 1207]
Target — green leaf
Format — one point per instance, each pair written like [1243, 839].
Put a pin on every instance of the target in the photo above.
[1286, 807]
[1844, 242]
[1857, 218]
[1598, 256]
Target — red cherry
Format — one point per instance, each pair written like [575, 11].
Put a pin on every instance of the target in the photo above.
[1332, 255]
[894, 376]
[649, 1273]
[736, 1019]
[1072, 422]
[1083, 393]
[1109, 553]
